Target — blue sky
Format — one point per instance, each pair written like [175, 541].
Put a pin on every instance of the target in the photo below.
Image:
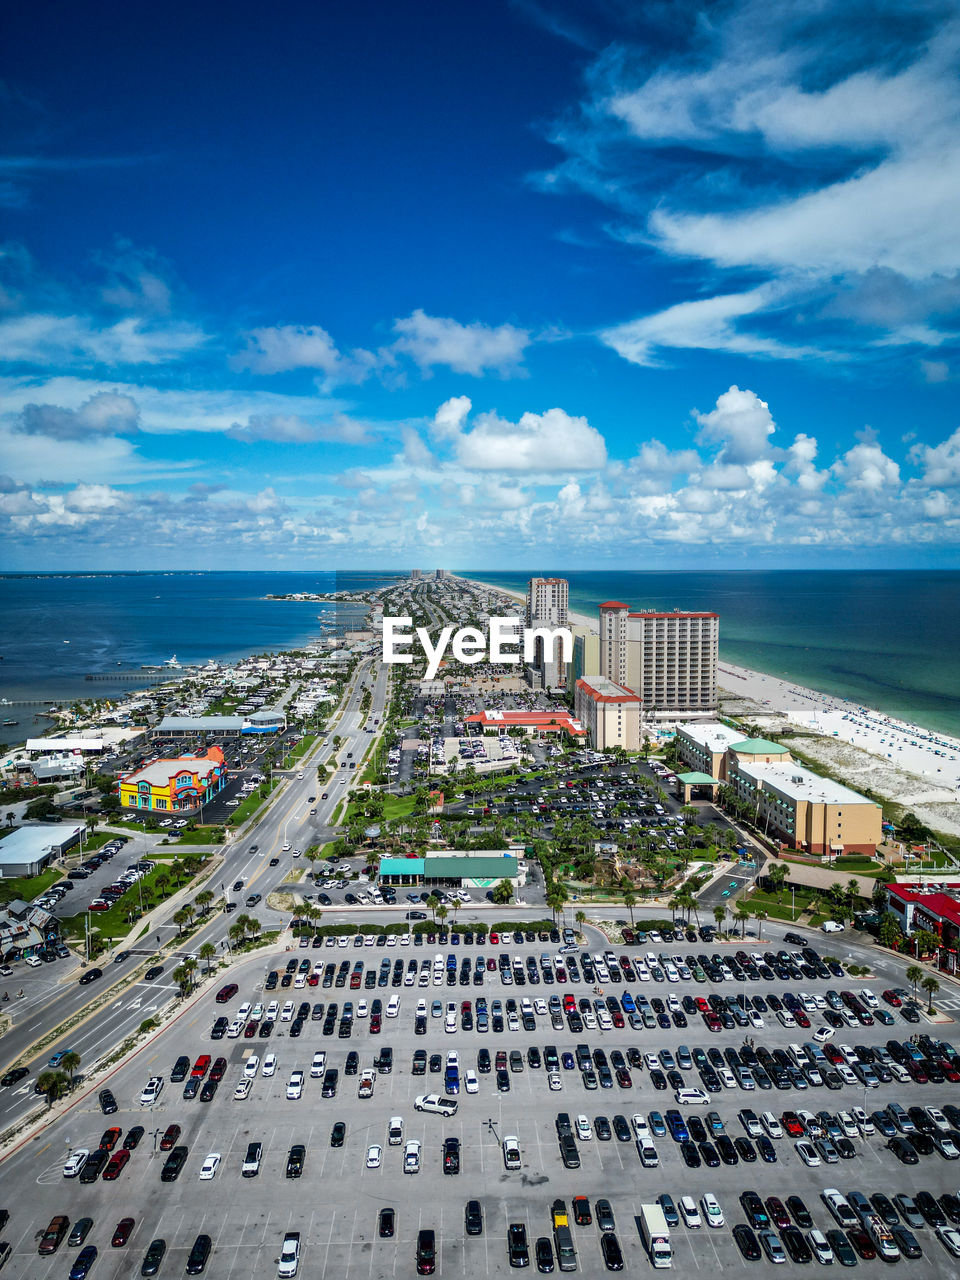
[615, 284]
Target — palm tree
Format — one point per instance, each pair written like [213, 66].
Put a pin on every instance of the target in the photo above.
[914, 974]
[70, 1061]
[931, 986]
[161, 881]
[433, 902]
[720, 914]
[235, 932]
[760, 915]
[581, 919]
[743, 915]
[52, 1084]
[441, 913]
[181, 976]
[777, 876]
[203, 900]
[630, 901]
[180, 918]
[207, 952]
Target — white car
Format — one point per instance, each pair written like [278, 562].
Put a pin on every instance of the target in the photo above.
[393, 1006]
[711, 1210]
[471, 1083]
[244, 1011]
[210, 1166]
[235, 1028]
[269, 1065]
[75, 1162]
[411, 1157]
[689, 1212]
[511, 1152]
[286, 848]
[805, 1150]
[584, 1130]
[374, 1156]
[295, 1086]
[286, 1014]
[939, 1119]
[251, 1066]
[772, 1125]
[242, 1090]
[640, 1127]
[318, 1065]
[273, 1009]
[868, 998]
[647, 1151]
[823, 1034]
[949, 1237]
[152, 1091]
[554, 1082]
[362, 1010]
[421, 1009]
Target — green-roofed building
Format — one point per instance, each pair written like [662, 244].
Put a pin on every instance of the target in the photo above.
[687, 783]
[755, 748]
[450, 869]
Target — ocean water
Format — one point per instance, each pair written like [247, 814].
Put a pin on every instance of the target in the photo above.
[889, 640]
[56, 629]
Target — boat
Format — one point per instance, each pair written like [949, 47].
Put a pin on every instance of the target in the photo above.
[6, 722]
[172, 662]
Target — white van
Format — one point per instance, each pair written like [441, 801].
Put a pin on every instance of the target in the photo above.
[831, 926]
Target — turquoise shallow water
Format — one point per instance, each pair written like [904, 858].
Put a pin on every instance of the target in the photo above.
[890, 640]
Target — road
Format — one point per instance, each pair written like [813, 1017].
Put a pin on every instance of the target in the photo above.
[287, 820]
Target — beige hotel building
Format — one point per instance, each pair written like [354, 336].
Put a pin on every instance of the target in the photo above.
[668, 659]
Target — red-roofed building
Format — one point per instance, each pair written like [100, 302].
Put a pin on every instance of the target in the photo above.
[532, 721]
[610, 713]
[935, 909]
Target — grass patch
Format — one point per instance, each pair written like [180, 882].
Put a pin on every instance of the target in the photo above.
[780, 910]
[397, 807]
[198, 835]
[252, 803]
[28, 887]
[116, 923]
[300, 750]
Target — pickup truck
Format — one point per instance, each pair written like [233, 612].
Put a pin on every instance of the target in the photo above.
[289, 1255]
[562, 1237]
[366, 1083]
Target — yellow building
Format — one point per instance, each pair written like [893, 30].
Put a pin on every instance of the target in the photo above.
[175, 786]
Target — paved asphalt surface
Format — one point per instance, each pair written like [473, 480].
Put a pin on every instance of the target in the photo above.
[336, 1202]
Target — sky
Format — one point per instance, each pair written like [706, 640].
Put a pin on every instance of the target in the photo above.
[603, 285]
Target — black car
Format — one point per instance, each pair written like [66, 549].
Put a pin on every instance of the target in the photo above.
[180, 1069]
[330, 1081]
[192, 1087]
[153, 973]
[14, 1076]
[197, 1261]
[543, 1254]
[612, 1253]
[295, 1160]
[93, 1165]
[91, 975]
[906, 1242]
[473, 1218]
[747, 1242]
[337, 1134]
[800, 1212]
[133, 1137]
[795, 1244]
[386, 1223]
[518, 1251]
[108, 1103]
[173, 1164]
[153, 1257]
[903, 1150]
[621, 1128]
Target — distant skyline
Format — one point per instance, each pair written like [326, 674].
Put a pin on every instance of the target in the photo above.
[628, 285]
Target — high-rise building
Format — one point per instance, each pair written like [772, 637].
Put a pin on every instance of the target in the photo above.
[669, 659]
[609, 713]
[547, 607]
[416, 573]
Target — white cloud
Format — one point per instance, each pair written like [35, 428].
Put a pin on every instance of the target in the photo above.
[105, 413]
[935, 370]
[66, 341]
[465, 348]
[292, 429]
[283, 348]
[741, 423]
[940, 463]
[451, 417]
[704, 324]
[866, 467]
[544, 443]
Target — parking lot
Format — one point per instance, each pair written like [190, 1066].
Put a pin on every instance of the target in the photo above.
[334, 1205]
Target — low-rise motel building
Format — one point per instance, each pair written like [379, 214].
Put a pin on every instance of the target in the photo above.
[933, 907]
[175, 786]
[533, 722]
[790, 803]
[609, 713]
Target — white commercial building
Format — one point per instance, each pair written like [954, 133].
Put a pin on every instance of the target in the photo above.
[547, 601]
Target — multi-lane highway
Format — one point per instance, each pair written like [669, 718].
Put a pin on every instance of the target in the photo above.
[288, 820]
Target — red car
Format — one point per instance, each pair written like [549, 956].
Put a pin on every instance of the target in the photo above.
[375, 1024]
[201, 1066]
[251, 1029]
[227, 993]
[792, 1123]
[169, 1139]
[801, 1018]
[122, 1233]
[561, 975]
[893, 999]
[313, 980]
[713, 1022]
[778, 1212]
[115, 1166]
[617, 1017]
[832, 1054]
[218, 1069]
[110, 1139]
[702, 1004]
[569, 1003]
